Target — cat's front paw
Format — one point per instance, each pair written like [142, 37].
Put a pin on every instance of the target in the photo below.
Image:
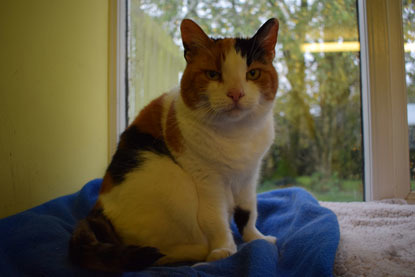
[270, 239]
[257, 235]
[220, 253]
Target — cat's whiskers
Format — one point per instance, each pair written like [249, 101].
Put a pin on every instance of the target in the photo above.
[209, 112]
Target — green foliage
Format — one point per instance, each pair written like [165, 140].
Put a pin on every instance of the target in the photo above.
[332, 189]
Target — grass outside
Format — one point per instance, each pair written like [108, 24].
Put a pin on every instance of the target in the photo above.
[330, 190]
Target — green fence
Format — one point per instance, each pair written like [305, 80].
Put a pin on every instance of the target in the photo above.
[155, 62]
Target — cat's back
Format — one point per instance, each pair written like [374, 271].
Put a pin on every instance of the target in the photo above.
[144, 185]
[144, 136]
[152, 117]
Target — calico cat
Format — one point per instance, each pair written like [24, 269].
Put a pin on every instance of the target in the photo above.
[189, 161]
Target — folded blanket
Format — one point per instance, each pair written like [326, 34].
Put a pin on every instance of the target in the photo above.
[35, 242]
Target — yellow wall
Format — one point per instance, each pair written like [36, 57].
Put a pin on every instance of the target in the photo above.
[53, 98]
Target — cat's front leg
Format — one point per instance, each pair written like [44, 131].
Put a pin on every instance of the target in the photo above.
[213, 217]
[246, 214]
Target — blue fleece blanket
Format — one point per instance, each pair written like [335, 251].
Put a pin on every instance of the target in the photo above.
[35, 242]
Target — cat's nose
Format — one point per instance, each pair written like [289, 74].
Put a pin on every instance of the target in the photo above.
[235, 94]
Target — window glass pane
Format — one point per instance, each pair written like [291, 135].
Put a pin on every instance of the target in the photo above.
[155, 61]
[318, 142]
[408, 14]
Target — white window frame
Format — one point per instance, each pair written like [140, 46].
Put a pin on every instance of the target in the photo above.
[384, 100]
[117, 74]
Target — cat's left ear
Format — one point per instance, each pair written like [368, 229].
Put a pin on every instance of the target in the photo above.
[193, 38]
[267, 36]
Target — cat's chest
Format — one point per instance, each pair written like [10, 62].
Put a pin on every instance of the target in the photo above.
[238, 152]
[234, 150]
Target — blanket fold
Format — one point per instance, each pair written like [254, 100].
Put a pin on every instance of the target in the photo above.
[35, 242]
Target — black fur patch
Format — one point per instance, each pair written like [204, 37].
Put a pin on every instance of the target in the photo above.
[241, 219]
[95, 245]
[127, 157]
[102, 227]
[251, 49]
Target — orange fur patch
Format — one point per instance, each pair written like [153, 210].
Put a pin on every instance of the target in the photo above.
[194, 80]
[268, 81]
[149, 119]
[107, 184]
[174, 137]
[98, 205]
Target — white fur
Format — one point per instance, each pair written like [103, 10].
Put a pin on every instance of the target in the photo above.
[184, 208]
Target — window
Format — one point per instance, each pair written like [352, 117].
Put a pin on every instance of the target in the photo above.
[319, 145]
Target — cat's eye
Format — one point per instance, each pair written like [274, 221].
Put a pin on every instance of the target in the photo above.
[253, 74]
[213, 75]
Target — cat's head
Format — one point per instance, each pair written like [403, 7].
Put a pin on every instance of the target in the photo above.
[229, 79]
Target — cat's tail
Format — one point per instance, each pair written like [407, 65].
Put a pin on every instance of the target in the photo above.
[95, 245]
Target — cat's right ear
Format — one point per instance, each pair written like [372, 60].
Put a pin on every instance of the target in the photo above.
[193, 38]
[267, 36]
